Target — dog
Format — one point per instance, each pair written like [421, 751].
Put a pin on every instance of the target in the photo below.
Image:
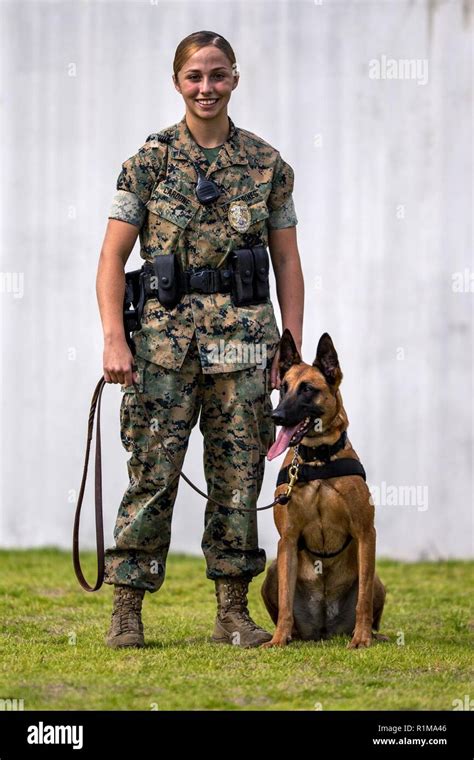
[323, 582]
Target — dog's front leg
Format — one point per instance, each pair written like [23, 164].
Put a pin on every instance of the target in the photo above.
[287, 567]
[362, 636]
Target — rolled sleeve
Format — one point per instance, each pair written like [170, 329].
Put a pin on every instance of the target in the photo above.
[285, 216]
[282, 184]
[127, 207]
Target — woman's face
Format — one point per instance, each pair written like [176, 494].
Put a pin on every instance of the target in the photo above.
[206, 82]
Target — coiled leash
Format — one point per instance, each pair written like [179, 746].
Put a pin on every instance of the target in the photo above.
[99, 523]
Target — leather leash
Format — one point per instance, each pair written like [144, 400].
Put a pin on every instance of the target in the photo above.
[99, 526]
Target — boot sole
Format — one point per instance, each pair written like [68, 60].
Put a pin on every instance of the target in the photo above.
[219, 640]
[117, 644]
[221, 636]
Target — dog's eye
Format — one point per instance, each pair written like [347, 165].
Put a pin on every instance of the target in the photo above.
[307, 389]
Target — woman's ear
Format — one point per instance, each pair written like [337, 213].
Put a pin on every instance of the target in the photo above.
[175, 82]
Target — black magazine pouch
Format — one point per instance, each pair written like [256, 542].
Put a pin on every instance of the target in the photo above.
[166, 283]
[261, 282]
[242, 263]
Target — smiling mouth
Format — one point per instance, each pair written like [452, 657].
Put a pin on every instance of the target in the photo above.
[208, 102]
[289, 436]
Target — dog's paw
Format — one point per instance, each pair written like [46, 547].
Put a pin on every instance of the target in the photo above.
[276, 641]
[360, 641]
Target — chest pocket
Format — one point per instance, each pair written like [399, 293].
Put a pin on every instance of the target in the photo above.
[173, 206]
[258, 211]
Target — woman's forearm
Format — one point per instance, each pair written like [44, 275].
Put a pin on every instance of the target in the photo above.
[290, 292]
[110, 288]
[110, 283]
[289, 280]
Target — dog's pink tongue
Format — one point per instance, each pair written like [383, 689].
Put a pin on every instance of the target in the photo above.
[281, 443]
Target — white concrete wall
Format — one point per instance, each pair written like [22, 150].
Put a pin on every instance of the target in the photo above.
[383, 195]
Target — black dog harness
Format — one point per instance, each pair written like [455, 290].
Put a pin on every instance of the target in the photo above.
[334, 469]
[305, 472]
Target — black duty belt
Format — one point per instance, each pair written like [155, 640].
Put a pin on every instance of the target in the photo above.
[204, 280]
[245, 276]
[207, 280]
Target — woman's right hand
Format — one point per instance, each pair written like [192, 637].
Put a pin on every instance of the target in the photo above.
[118, 363]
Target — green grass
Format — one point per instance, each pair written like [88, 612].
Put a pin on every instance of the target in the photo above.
[53, 656]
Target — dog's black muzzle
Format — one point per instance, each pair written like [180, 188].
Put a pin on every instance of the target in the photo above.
[288, 415]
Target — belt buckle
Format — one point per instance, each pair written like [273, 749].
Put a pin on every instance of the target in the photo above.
[199, 281]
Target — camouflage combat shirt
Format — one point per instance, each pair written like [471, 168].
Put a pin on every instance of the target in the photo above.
[156, 192]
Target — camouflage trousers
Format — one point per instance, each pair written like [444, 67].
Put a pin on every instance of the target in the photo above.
[235, 421]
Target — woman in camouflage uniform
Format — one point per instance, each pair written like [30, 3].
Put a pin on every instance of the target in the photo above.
[205, 355]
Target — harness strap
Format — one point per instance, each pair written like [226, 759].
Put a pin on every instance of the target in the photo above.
[323, 555]
[335, 469]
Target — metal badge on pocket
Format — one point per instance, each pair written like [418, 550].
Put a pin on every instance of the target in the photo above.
[239, 216]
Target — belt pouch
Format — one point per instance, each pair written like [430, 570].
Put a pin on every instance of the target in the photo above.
[261, 269]
[167, 283]
[243, 271]
[132, 298]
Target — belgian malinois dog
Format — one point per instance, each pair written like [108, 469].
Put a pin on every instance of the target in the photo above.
[323, 582]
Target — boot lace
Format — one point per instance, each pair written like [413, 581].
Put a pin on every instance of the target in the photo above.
[127, 611]
[236, 601]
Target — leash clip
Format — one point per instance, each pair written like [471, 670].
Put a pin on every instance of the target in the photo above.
[293, 473]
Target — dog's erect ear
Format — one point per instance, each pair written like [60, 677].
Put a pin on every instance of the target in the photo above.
[288, 353]
[327, 361]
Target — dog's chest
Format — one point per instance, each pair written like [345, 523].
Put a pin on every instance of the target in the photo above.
[320, 509]
[322, 518]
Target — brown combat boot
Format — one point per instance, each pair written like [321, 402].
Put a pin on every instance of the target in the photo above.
[233, 622]
[126, 629]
